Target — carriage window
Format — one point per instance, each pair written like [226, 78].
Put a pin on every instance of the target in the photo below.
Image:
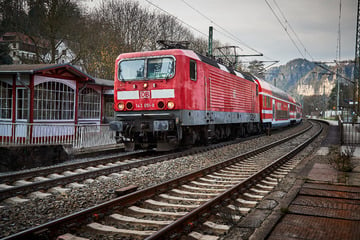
[193, 70]
[266, 101]
[131, 70]
[160, 68]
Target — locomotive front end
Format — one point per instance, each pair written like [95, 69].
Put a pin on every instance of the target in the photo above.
[144, 101]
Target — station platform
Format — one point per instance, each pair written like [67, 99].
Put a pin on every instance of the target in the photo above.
[321, 202]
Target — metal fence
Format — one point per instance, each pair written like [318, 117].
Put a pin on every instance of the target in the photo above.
[349, 133]
[75, 135]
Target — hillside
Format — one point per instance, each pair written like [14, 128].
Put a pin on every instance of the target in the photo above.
[301, 77]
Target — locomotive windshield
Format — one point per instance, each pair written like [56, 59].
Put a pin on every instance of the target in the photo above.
[145, 69]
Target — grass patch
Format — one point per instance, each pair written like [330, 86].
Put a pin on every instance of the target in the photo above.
[341, 160]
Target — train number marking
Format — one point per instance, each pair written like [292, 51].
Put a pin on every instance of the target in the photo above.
[145, 105]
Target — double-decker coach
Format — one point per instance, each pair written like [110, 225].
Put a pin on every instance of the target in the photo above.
[277, 108]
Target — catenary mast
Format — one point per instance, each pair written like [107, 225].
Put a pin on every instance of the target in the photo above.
[357, 64]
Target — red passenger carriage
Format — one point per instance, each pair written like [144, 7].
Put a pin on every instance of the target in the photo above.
[277, 107]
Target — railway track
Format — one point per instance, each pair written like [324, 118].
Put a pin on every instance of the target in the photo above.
[22, 183]
[191, 204]
[18, 185]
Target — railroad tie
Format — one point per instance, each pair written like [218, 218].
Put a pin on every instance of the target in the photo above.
[110, 229]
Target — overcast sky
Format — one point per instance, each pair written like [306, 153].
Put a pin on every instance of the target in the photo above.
[253, 23]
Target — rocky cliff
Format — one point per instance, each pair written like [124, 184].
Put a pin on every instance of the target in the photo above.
[301, 77]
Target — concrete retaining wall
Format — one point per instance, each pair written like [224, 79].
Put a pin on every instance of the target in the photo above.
[24, 157]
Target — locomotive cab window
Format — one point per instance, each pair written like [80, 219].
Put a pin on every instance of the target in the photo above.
[193, 70]
[147, 68]
[160, 68]
[131, 69]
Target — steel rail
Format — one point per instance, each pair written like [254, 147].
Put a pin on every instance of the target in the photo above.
[46, 184]
[71, 166]
[192, 219]
[8, 178]
[58, 226]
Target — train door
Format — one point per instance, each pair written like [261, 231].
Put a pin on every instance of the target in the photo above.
[207, 86]
[273, 110]
[289, 112]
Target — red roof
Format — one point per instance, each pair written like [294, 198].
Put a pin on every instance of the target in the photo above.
[66, 71]
[23, 38]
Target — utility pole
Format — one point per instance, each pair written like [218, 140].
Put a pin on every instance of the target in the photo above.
[210, 47]
[338, 90]
[357, 64]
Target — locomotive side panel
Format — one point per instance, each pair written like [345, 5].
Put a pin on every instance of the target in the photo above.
[194, 102]
[231, 99]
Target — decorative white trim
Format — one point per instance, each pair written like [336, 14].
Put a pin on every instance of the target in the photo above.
[163, 93]
[267, 111]
[273, 97]
[108, 91]
[41, 79]
[124, 95]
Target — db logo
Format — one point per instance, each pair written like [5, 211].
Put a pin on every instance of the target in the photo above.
[144, 94]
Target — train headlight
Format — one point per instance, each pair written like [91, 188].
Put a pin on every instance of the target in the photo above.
[170, 105]
[129, 106]
[121, 106]
[161, 105]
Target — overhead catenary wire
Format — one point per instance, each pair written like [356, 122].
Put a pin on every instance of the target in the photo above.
[292, 29]
[226, 32]
[287, 23]
[161, 9]
[223, 32]
[284, 26]
[319, 64]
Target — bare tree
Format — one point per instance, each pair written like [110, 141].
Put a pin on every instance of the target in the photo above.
[124, 26]
[13, 15]
[257, 68]
[53, 21]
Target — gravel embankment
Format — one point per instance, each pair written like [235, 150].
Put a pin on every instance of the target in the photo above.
[17, 217]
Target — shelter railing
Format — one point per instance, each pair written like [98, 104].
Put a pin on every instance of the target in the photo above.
[349, 132]
[75, 135]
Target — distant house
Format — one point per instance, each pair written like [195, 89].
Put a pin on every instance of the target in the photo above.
[23, 48]
[28, 50]
[38, 100]
[63, 53]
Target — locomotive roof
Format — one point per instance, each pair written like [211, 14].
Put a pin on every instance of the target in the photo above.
[216, 64]
[192, 54]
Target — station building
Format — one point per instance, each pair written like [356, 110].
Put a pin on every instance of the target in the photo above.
[46, 103]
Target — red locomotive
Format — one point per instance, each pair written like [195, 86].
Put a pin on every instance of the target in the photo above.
[173, 97]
